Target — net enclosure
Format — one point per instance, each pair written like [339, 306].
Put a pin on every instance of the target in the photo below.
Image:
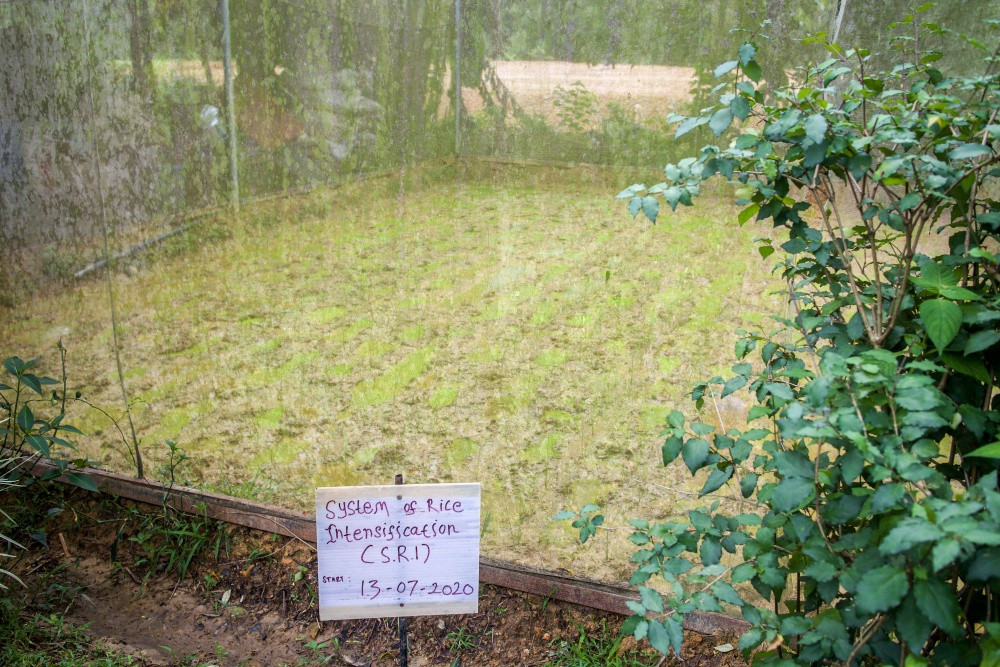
[321, 242]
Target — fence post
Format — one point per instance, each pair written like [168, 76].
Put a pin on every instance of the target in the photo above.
[458, 78]
[227, 62]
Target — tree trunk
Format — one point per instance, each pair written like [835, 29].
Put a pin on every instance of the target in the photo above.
[140, 47]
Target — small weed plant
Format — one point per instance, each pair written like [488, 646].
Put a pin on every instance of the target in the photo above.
[576, 107]
[47, 640]
[861, 503]
[169, 540]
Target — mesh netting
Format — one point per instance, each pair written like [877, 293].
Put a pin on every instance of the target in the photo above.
[401, 288]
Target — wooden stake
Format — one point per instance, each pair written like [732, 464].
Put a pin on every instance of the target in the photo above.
[62, 541]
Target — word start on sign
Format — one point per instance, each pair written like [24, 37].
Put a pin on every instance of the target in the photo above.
[410, 550]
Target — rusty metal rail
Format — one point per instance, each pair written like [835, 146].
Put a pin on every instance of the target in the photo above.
[302, 525]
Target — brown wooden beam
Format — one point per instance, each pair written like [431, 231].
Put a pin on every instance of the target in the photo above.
[302, 525]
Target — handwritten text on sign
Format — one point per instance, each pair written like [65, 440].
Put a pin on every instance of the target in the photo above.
[410, 550]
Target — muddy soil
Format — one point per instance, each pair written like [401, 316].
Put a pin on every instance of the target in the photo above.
[253, 603]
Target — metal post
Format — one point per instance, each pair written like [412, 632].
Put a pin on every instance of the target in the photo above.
[404, 644]
[227, 61]
[458, 78]
[841, 6]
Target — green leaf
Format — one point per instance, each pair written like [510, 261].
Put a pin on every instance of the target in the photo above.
[881, 589]
[717, 479]
[747, 213]
[792, 494]
[634, 206]
[658, 637]
[795, 625]
[909, 533]
[695, 451]
[676, 632]
[981, 340]
[859, 164]
[726, 593]
[970, 366]
[651, 207]
[631, 625]
[32, 382]
[740, 107]
[725, 68]
[82, 480]
[822, 571]
[938, 603]
[630, 191]
[942, 320]
[743, 572]
[701, 521]
[855, 327]
[944, 553]
[14, 365]
[934, 277]
[39, 444]
[25, 419]
[686, 126]
[982, 535]
[751, 638]
[753, 71]
[887, 496]
[909, 201]
[747, 52]
[779, 390]
[990, 451]
[748, 484]
[734, 384]
[673, 196]
[815, 127]
[985, 565]
[711, 551]
[912, 625]
[638, 539]
[969, 151]
[677, 566]
[671, 448]
[650, 599]
[720, 121]
[956, 293]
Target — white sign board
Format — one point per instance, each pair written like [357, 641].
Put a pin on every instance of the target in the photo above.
[408, 550]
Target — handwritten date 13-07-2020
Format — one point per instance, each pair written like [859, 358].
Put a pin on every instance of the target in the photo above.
[372, 588]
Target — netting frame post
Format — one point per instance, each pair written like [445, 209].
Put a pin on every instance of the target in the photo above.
[227, 61]
[458, 78]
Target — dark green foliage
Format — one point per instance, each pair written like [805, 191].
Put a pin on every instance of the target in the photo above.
[871, 525]
[28, 434]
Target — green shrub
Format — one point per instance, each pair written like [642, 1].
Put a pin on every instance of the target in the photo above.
[864, 495]
[26, 437]
[576, 107]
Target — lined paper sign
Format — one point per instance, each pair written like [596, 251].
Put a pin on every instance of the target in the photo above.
[408, 550]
